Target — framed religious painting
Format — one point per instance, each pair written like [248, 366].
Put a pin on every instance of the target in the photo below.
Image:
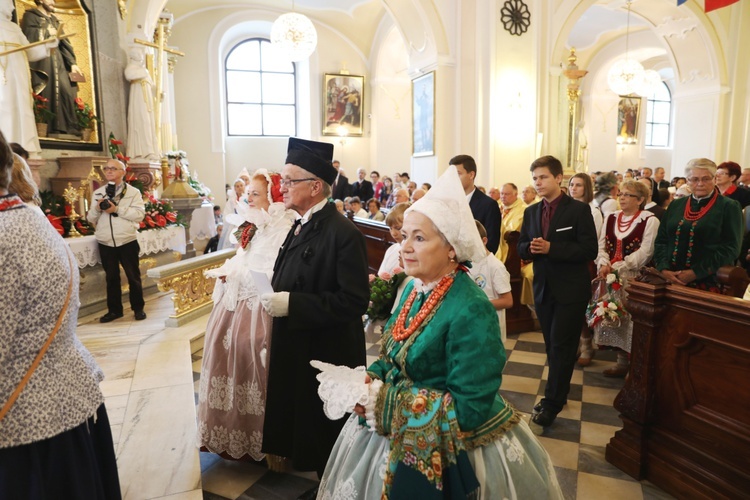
[423, 115]
[628, 115]
[67, 106]
[344, 97]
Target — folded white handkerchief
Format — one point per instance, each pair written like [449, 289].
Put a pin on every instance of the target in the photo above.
[564, 229]
[340, 388]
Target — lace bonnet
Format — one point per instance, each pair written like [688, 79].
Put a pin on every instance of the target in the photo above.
[445, 204]
[273, 179]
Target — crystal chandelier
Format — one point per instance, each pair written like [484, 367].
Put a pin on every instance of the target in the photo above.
[626, 76]
[294, 35]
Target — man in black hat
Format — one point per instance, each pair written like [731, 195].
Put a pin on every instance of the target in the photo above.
[321, 291]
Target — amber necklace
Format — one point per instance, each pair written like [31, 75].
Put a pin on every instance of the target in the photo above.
[400, 331]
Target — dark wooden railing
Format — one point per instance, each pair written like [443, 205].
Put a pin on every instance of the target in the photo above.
[685, 405]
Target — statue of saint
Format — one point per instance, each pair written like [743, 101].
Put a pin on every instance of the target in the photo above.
[51, 76]
[141, 126]
[16, 102]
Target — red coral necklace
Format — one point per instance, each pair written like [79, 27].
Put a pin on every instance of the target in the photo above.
[400, 332]
[624, 226]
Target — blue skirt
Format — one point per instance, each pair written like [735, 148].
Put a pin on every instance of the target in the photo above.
[79, 463]
[515, 466]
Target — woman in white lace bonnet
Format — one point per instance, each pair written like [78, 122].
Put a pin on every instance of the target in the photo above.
[434, 419]
[231, 400]
[55, 438]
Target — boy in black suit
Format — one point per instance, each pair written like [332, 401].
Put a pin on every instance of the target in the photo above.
[485, 209]
[559, 236]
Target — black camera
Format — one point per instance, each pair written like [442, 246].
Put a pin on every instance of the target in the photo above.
[109, 191]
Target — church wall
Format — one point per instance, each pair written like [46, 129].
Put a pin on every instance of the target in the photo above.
[192, 103]
[199, 105]
[390, 88]
[513, 120]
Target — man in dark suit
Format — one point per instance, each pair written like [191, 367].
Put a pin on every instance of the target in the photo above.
[646, 173]
[652, 206]
[559, 236]
[661, 182]
[340, 186]
[321, 291]
[485, 209]
[362, 188]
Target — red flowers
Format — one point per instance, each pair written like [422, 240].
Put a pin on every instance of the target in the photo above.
[159, 214]
[115, 142]
[55, 221]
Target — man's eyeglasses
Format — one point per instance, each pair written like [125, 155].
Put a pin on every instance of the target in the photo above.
[696, 180]
[110, 169]
[292, 182]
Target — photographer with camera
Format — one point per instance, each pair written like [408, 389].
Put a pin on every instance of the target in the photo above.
[117, 210]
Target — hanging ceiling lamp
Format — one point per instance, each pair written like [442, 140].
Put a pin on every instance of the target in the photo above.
[294, 35]
[651, 80]
[626, 75]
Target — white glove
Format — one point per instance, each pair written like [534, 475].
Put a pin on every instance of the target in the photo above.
[276, 304]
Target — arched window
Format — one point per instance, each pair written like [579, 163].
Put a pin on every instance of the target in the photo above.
[658, 116]
[261, 97]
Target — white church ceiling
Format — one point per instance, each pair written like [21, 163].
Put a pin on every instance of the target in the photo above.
[357, 20]
[598, 21]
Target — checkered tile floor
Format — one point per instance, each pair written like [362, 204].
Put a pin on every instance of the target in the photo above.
[575, 442]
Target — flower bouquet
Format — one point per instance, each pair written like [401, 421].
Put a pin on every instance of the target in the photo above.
[383, 291]
[607, 316]
[160, 214]
[606, 303]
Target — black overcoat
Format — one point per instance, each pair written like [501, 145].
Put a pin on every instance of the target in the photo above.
[325, 270]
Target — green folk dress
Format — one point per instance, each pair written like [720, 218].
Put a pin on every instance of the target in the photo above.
[441, 427]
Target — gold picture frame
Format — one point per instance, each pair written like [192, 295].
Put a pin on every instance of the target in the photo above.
[344, 98]
[628, 118]
[78, 20]
[423, 115]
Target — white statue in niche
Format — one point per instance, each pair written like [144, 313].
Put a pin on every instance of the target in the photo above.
[17, 116]
[141, 128]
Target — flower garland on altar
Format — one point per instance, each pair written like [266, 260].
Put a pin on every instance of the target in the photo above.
[58, 213]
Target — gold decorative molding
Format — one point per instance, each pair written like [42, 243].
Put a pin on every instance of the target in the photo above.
[192, 289]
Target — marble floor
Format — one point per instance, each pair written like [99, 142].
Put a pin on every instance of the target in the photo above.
[151, 389]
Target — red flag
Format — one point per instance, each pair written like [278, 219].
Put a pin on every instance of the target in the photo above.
[718, 4]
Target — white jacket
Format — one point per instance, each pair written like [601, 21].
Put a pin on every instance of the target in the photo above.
[121, 227]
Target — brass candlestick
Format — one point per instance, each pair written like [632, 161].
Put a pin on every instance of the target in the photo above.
[71, 195]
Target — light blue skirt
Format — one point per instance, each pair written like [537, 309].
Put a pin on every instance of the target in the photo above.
[515, 466]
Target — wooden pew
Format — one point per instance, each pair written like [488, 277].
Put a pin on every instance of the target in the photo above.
[377, 238]
[518, 319]
[685, 406]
